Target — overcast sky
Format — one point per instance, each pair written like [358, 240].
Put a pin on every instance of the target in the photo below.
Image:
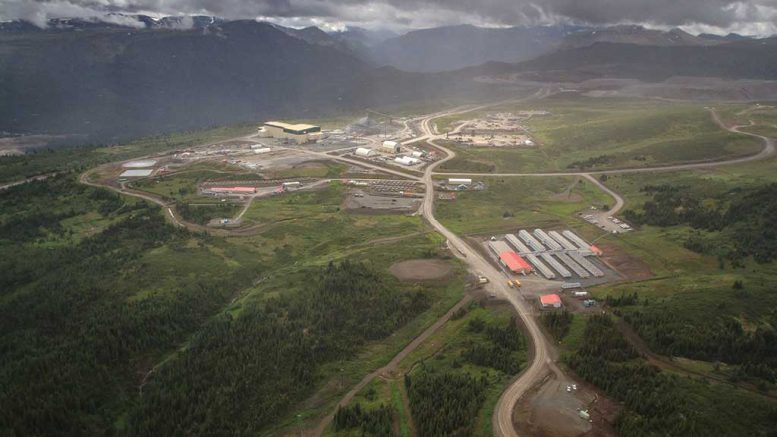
[754, 17]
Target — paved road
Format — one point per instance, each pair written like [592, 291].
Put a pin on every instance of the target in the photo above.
[542, 359]
[542, 362]
[502, 423]
[469, 256]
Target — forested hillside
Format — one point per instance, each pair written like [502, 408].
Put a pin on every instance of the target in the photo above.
[114, 321]
[273, 347]
[660, 403]
[738, 224]
[80, 315]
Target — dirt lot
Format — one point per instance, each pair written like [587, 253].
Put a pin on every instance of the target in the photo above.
[549, 410]
[631, 267]
[362, 202]
[421, 270]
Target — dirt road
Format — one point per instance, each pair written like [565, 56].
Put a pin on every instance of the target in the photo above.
[391, 367]
[24, 181]
[542, 361]
[502, 420]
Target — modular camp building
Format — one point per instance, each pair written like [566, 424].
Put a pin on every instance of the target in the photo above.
[515, 263]
[459, 181]
[298, 133]
[231, 190]
[550, 301]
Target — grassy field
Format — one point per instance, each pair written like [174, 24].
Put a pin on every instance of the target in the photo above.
[511, 202]
[589, 133]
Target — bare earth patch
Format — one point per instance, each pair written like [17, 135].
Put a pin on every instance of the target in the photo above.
[548, 410]
[631, 267]
[421, 270]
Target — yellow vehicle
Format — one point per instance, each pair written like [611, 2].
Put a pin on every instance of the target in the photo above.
[510, 283]
[514, 283]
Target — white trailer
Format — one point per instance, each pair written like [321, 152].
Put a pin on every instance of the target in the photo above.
[563, 241]
[573, 265]
[540, 267]
[577, 240]
[499, 247]
[556, 265]
[546, 240]
[586, 264]
[531, 241]
[517, 244]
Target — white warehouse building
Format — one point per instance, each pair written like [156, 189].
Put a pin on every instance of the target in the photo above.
[459, 181]
[299, 133]
[406, 160]
[363, 151]
[391, 147]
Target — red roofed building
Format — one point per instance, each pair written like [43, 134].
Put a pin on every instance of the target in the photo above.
[550, 301]
[596, 251]
[235, 190]
[515, 263]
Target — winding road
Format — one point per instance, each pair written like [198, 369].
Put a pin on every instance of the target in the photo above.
[542, 361]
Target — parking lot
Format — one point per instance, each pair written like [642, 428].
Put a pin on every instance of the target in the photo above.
[604, 221]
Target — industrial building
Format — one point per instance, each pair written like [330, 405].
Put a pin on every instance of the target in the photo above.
[298, 133]
[364, 152]
[230, 190]
[390, 147]
[550, 301]
[459, 181]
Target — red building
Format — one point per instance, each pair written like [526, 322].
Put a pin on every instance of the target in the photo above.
[515, 263]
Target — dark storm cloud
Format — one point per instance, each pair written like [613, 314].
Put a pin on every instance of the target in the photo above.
[722, 14]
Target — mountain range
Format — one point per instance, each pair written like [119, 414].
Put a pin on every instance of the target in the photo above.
[138, 75]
